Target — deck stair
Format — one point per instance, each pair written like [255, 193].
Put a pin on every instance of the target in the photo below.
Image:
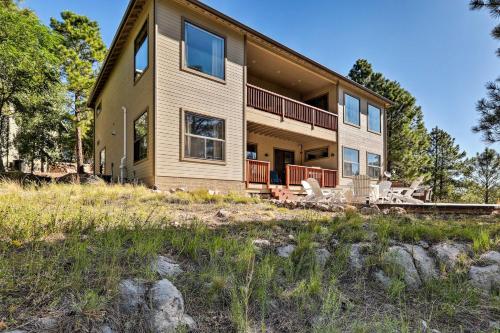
[283, 194]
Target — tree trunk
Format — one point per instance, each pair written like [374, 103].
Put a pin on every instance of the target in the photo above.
[78, 145]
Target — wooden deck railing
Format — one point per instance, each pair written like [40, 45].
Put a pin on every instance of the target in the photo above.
[258, 172]
[285, 107]
[295, 174]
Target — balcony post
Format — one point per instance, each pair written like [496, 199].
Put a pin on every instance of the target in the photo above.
[282, 109]
[313, 118]
[322, 177]
[268, 174]
[287, 176]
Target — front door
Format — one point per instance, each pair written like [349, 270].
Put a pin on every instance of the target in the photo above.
[281, 159]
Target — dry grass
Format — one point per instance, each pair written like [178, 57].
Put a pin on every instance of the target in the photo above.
[64, 249]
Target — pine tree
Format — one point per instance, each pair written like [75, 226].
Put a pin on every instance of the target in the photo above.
[83, 51]
[407, 136]
[484, 171]
[447, 164]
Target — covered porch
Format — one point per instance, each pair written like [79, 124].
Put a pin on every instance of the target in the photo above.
[276, 158]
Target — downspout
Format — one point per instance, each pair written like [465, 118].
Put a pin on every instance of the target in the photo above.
[123, 166]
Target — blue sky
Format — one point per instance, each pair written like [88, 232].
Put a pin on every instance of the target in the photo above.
[437, 49]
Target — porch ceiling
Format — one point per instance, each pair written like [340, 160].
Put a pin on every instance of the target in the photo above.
[282, 134]
[271, 67]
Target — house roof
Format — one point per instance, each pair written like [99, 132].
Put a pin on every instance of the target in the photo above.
[135, 7]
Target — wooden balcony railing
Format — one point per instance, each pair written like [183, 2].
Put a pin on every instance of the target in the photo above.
[295, 174]
[258, 172]
[285, 107]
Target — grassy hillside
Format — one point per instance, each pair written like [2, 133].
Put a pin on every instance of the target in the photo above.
[65, 248]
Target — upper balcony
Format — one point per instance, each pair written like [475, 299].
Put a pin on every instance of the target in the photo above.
[286, 94]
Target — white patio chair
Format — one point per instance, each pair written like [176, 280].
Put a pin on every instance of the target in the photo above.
[404, 194]
[361, 188]
[385, 194]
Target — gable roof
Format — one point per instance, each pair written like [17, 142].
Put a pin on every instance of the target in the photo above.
[135, 7]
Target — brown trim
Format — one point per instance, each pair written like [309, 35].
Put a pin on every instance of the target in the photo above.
[182, 156]
[147, 137]
[136, 5]
[368, 118]
[359, 161]
[316, 159]
[367, 166]
[136, 79]
[344, 110]
[185, 68]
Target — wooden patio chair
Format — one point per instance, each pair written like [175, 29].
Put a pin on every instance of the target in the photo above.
[385, 194]
[361, 188]
[404, 194]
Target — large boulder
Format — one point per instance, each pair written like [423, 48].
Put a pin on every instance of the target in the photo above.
[485, 278]
[132, 294]
[166, 267]
[285, 251]
[426, 266]
[322, 256]
[371, 210]
[448, 254]
[490, 258]
[399, 258]
[167, 307]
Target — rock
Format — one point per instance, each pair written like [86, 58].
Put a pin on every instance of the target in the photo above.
[350, 209]
[322, 256]
[334, 208]
[322, 207]
[334, 242]
[423, 244]
[166, 267]
[167, 307]
[402, 259]
[261, 243]
[105, 329]
[397, 211]
[490, 258]
[131, 295]
[223, 214]
[448, 254]
[495, 325]
[16, 331]
[425, 327]
[425, 265]
[189, 322]
[47, 324]
[285, 251]
[383, 279]
[356, 257]
[485, 278]
[372, 210]
[291, 237]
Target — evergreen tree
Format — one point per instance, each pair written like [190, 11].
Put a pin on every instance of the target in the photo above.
[447, 164]
[83, 51]
[489, 114]
[484, 171]
[493, 6]
[407, 136]
[29, 65]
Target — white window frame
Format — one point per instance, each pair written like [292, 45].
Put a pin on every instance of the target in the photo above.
[185, 134]
[344, 161]
[368, 165]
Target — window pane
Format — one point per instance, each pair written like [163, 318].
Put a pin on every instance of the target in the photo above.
[251, 151]
[351, 155]
[204, 51]
[141, 51]
[316, 154]
[203, 126]
[352, 110]
[374, 119]
[374, 160]
[214, 150]
[351, 169]
[141, 137]
[374, 172]
[195, 147]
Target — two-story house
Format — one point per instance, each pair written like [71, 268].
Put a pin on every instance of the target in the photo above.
[188, 96]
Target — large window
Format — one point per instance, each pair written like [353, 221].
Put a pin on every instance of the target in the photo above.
[251, 151]
[374, 123]
[374, 165]
[204, 137]
[141, 137]
[351, 162]
[141, 59]
[320, 102]
[315, 154]
[352, 110]
[204, 51]
[102, 162]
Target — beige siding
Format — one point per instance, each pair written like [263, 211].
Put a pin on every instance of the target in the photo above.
[179, 90]
[359, 138]
[120, 90]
